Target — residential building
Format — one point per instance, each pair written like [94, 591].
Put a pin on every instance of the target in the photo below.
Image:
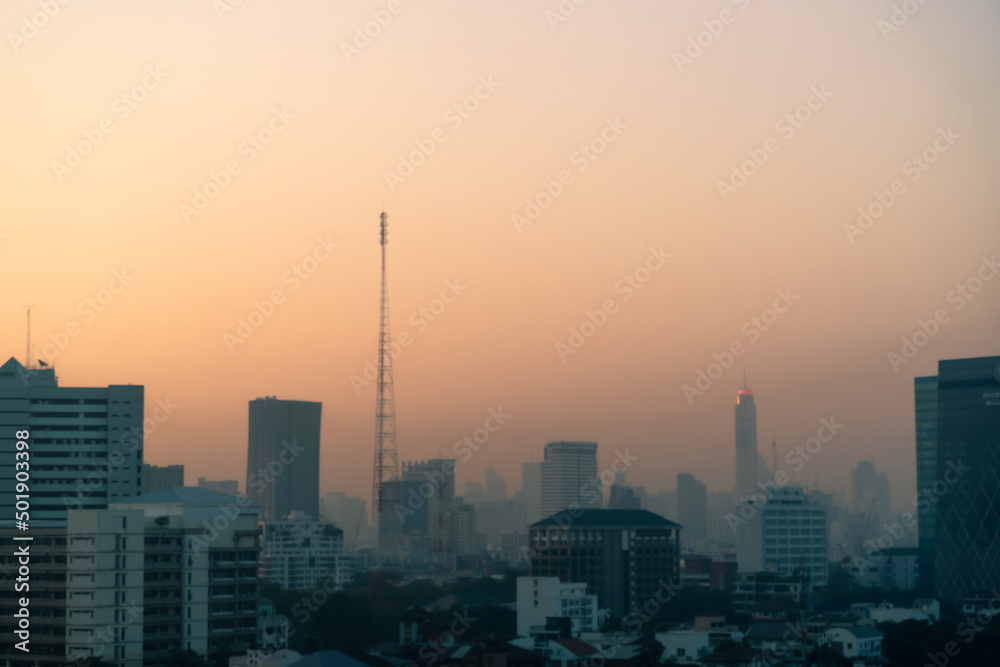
[283, 457]
[541, 598]
[786, 534]
[684, 645]
[85, 442]
[861, 645]
[569, 477]
[754, 588]
[626, 557]
[300, 552]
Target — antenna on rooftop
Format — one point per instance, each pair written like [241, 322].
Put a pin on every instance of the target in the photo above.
[27, 355]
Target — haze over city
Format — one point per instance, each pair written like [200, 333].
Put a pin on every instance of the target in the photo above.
[180, 277]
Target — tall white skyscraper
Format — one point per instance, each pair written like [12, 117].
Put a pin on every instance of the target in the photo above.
[569, 477]
[85, 443]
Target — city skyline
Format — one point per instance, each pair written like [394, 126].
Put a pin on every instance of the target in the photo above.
[150, 297]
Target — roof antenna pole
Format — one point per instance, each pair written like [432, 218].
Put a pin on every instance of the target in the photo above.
[27, 355]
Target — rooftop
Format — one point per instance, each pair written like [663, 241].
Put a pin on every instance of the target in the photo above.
[189, 495]
[607, 519]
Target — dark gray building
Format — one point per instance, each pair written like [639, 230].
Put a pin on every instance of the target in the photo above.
[966, 487]
[283, 457]
[157, 478]
[692, 506]
[626, 557]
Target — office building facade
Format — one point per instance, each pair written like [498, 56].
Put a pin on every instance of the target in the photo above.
[569, 477]
[283, 457]
[85, 443]
[626, 557]
[157, 478]
[746, 444]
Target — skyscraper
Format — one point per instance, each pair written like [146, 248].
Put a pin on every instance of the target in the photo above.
[746, 443]
[692, 506]
[966, 485]
[569, 477]
[531, 490]
[90, 440]
[283, 457]
[925, 397]
[496, 487]
[870, 490]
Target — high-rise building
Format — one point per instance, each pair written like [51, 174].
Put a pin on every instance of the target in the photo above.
[746, 443]
[870, 491]
[157, 478]
[428, 494]
[692, 506]
[230, 487]
[569, 477]
[623, 497]
[965, 492]
[626, 557]
[531, 490]
[463, 536]
[283, 457]
[496, 487]
[787, 534]
[925, 396]
[90, 440]
[300, 552]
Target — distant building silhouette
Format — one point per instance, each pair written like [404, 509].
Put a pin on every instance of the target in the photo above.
[283, 457]
[692, 506]
[746, 443]
[531, 490]
[157, 478]
[230, 487]
[496, 487]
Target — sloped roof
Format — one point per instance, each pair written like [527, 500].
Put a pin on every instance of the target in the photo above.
[577, 647]
[328, 659]
[191, 495]
[863, 632]
[767, 631]
[606, 519]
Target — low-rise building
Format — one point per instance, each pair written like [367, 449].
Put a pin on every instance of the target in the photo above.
[684, 645]
[541, 598]
[861, 645]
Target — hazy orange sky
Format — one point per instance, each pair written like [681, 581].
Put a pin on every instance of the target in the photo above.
[199, 80]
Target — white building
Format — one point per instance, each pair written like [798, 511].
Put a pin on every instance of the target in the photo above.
[104, 585]
[90, 440]
[299, 552]
[922, 610]
[786, 534]
[684, 646]
[861, 645]
[569, 477]
[539, 598]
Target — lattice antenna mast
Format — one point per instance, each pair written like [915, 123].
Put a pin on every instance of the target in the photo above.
[386, 459]
[28, 363]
